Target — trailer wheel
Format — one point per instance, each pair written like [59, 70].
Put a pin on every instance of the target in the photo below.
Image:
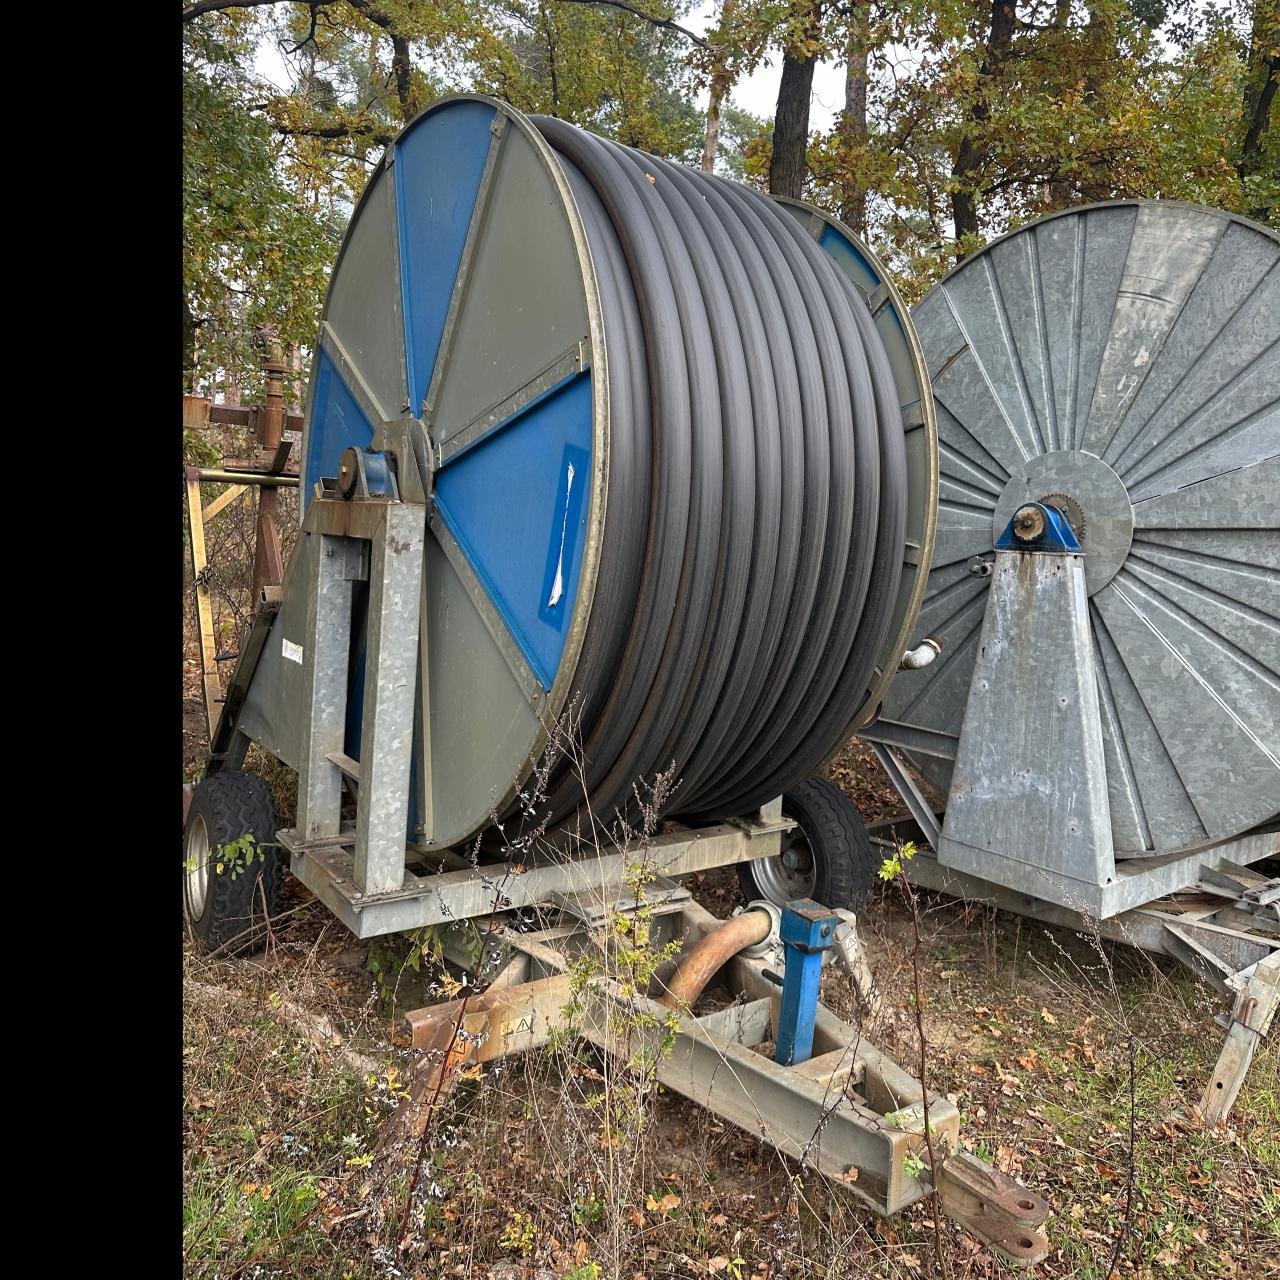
[827, 856]
[231, 882]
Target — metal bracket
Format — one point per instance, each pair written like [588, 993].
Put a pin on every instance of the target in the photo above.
[380, 540]
[807, 931]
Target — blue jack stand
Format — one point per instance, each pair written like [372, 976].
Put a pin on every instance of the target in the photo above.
[808, 929]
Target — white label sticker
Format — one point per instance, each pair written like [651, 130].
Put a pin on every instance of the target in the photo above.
[557, 587]
[290, 650]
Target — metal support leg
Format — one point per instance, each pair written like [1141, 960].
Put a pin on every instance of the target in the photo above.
[906, 787]
[391, 671]
[1251, 1019]
[324, 683]
[808, 929]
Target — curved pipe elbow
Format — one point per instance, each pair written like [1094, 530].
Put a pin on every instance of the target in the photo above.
[922, 655]
[711, 953]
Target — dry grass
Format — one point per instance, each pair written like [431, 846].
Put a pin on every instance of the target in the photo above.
[1028, 1030]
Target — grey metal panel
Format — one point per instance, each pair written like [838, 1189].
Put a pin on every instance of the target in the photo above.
[1151, 783]
[963, 389]
[1166, 253]
[482, 727]
[364, 302]
[978, 303]
[271, 710]
[1059, 263]
[324, 657]
[1149, 330]
[1243, 499]
[1251, 633]
[1239, 425]
[964, 459]
[1247, 582]
[1252, 547]
[522, 304]
[1221, 328]
[1102, 246]
[1215, 711]
[1029, 791]
[390, 689]
[1135, 885]
[1016, 280]
[1129, 827]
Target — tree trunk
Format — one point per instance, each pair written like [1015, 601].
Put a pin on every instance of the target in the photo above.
[789, 166]
[1100, 52]
[1058, 189]
[1262, 74]
[972, 152]
[853, 121]
[402, 68]
[188, 347]
[711, 143]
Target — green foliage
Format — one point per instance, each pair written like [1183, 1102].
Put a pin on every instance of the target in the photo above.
[1072, 103]
[1113, 99]
[232, 859]
[198, 452]
[257, 246]
[744, 145]
[520, 1234]
[891, 867]
[392, 954]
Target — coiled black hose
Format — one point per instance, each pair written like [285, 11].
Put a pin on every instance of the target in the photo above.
[756, 499]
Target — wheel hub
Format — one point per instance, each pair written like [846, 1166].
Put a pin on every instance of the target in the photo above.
[787, 875]
[197, 867]
[1090, 495]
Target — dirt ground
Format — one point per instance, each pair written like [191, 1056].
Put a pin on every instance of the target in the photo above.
[1075, 1063]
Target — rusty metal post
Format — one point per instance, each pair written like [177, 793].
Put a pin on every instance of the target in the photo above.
[268, 567]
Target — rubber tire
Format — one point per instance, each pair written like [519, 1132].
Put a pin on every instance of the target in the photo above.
[838, 841]
[234, 804]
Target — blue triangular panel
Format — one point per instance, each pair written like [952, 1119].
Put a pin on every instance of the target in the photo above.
[336, 423]
[517, 503]
[438, 165]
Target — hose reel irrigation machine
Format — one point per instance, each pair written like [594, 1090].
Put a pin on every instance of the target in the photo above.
[626, 501]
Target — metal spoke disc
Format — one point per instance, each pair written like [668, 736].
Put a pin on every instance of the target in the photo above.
[1124, 361]
[464, 298]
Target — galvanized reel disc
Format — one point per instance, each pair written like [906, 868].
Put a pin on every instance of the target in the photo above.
[464, 299]
[1123, 361]
[911, 377]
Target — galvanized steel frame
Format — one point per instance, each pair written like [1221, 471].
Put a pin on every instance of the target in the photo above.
[849, 1112]
[327, 866]
[381, 542]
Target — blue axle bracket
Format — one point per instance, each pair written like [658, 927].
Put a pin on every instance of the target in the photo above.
[1037, 526]
[808, 929]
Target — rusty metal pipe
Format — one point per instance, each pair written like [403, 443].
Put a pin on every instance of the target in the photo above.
[268, 563]
[711, 953]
